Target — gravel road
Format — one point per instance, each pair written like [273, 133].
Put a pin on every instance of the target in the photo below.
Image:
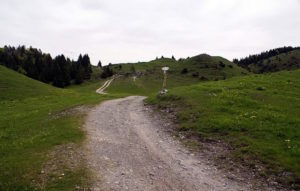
[127, 149]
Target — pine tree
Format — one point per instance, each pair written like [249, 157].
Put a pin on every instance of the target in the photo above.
[99, 64]
[87, 66]
[79, 76]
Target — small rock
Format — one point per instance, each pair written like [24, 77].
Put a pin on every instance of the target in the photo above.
[123, 173]
[230, 177]
[274, 183]
[42, 172]
[151, 173]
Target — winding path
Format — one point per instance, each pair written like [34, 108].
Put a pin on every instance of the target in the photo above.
[104, 86]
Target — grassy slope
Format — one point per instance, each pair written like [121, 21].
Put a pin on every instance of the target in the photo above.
[28, 130]
[286, 61]
[151, 78]
[258, 114]
[25, 135]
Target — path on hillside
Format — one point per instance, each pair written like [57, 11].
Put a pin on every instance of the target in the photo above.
[104, 86]
[128, 150]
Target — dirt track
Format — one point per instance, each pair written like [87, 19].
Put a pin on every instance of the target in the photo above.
[104, 86]
[128, 150]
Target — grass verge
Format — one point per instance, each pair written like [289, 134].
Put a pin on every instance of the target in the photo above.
[258, 115]
[31, 126]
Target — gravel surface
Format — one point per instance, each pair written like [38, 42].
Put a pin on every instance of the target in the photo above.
[127, 149]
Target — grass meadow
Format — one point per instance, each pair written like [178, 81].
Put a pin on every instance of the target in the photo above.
[31, 126]
[259, 115]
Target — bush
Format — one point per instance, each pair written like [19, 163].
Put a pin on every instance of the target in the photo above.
[195, 74]
[221, 64]
[203, 78]
[261, 88]
[132, 69]
[107, 72]
[184, 71]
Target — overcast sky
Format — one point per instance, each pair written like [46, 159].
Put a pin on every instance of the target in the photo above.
[139, 30]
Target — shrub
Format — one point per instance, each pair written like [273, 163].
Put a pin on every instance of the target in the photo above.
[195, 74]
[221, 64]
[203, 78]
[107, 72]
[184, 71]
[261, 88]
[132, 69]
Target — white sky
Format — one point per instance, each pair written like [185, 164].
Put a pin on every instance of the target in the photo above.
[139, 30]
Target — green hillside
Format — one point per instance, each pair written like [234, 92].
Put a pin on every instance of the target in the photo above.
[31, 127]
[259, 115]
[182, 72]
[285, 61]
[16, 86]
[214, 99]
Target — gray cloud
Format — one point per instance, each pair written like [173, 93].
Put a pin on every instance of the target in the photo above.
[127, 31]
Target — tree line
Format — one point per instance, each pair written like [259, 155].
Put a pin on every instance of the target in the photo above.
[59, 71]
[256, 58]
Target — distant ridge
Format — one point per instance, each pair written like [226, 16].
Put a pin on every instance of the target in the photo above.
[265, 61]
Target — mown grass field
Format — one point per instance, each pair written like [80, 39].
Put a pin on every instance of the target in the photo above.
[259, 115]
[29, 129]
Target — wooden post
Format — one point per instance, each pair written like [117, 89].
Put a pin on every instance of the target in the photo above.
[164, 88]
[165, 81]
